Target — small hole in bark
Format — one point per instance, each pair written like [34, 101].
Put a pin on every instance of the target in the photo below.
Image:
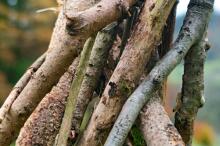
[180, 52]
[151, 7]
[99, 6]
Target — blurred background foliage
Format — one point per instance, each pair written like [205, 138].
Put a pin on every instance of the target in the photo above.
[25, 34]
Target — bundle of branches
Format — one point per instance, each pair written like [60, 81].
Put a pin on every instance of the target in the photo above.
[117, 81]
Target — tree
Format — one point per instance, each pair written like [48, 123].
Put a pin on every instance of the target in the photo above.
[125, 64]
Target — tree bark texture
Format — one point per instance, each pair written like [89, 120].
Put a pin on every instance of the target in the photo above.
[62, 50]
[192, 96]
[74, 91]
[43, 125]
[156, 126]
[20, 86]
[144, 39]
[97, 61]
[193, 29]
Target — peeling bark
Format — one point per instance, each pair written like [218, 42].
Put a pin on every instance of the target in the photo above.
[192, 97]
[43, 125]
[195, 24]
[62, 50]
[126, 76]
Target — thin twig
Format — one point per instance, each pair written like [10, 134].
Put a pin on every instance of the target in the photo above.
[99, 55]
[20, 85]
[74, 91]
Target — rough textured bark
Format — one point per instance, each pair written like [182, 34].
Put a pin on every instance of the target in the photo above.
[168, 32]
[127, 26]
[144, 39]
[156, 126]
[74, 91]
[48, 126]
[166, 42]
[43, 125]
[192, 96]
[195, 24]
[46, 134]
[20, 86]
[62, 50]
[98, 58]
[94, 18]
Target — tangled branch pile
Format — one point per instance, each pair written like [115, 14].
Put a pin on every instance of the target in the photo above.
[105, 71]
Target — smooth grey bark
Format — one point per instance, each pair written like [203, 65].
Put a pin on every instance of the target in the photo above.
[194, 27]
[192, 96]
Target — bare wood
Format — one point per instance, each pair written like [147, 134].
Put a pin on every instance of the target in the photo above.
[144, 39]
[20, 86]
[94, 18]
[156, 126]
[62, 50]
[195, 24]
[43, 125]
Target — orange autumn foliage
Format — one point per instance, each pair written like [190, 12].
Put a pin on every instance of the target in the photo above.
[203, 133]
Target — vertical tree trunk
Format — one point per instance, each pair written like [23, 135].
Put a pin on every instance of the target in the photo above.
[192, 97]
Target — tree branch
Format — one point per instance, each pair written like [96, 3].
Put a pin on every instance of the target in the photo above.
[47, 121]
[156, 126]
[195, 24]
[99, 55]
[74, 91]
[96, 17]
[63, 49]
[43, 125]
[192, 97]
[126, 76]
[20, 86]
